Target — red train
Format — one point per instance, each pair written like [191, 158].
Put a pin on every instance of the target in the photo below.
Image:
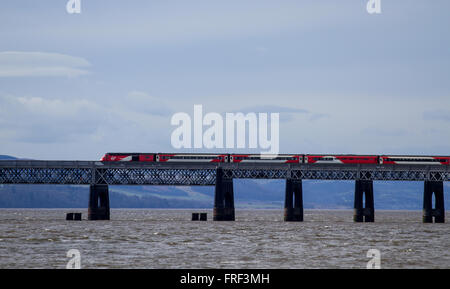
[281, 158]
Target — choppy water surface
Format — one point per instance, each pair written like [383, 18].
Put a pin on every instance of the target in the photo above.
[257, 239]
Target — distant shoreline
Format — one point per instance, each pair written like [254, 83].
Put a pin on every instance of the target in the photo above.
[207, 209]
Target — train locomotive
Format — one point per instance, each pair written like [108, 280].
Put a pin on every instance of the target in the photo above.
[280, 158]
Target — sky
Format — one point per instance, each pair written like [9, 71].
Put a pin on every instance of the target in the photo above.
[109, 79]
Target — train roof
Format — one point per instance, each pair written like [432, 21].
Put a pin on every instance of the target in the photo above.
[284, 154]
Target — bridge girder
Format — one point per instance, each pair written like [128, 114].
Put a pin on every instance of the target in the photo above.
[198, 174]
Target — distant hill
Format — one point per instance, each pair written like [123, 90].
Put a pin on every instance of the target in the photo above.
[6, 157]
[50, 196]
[248, 194]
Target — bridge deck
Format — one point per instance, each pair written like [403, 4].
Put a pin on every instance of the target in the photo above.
[194, 173]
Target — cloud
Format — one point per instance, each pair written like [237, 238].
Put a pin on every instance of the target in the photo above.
[384, 132]
[286, 113]
[317, 116]
[261, 50]
[443, 115]
[36, 119]
[142, 102]
[38, 64]
[180, 21]
[31, 119]
[273, 108]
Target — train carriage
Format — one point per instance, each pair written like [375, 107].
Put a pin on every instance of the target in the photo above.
[128, 157]
[208, 158]
[283, 159]
[341, 159]
[415, 160]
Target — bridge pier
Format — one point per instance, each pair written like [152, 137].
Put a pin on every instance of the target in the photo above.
[98, 203]
[438, 212]
[223, 198]
[364, 212]
[293, 202]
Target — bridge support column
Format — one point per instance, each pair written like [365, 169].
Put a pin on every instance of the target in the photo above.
[364, 212]
[438, 212]
[98, 203]
[293, 202]
[223, 198]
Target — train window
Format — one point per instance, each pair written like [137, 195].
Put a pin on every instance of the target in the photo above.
[413, 160]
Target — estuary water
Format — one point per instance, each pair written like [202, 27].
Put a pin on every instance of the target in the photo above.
[149, 238]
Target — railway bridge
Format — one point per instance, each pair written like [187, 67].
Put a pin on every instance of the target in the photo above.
[99, 175]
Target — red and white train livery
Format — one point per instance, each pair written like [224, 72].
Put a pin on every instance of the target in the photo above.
[281, 158]
[341, 159]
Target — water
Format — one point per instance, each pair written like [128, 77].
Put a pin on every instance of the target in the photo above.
[257, 239]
